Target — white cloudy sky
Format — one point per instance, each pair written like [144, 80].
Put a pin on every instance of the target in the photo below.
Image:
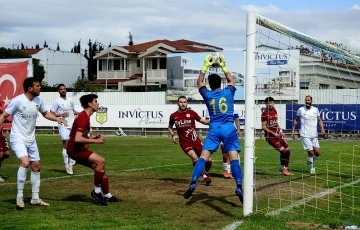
[217, 22]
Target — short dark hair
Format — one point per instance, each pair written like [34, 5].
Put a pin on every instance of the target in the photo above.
[29, 82]
[181, 97]
[86, 99]
[60, 85]
[269, 99]
[214, 81]
[309, 96]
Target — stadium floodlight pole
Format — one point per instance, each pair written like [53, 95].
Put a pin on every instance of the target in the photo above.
[249, 150]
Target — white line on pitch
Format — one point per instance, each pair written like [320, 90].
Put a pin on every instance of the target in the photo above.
[305, 200]
[88, 174]
[233, 226]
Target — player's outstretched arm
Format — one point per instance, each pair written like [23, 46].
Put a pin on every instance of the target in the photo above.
[204, 121]
[222, 64]
[48, 115]
[321, 125]
[3, 117]
[208, 62]
[80, 139]
[266, 129]
[293, 128]
[172, 134]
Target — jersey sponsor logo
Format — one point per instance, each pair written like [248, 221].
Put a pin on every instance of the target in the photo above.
[183, 123]
[37, 107]
[273, 123]
[29, 116]
[101, 115]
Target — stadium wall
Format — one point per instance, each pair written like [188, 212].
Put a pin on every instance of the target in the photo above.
[147, 114]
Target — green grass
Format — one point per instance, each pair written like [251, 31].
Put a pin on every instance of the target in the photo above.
[150, 175]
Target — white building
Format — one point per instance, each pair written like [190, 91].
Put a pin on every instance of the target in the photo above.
[142, 66]
[61, 66]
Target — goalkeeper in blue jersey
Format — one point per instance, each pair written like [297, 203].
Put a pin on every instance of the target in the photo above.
[220, 104]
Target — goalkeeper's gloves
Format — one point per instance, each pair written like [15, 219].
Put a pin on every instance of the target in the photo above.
[222, 64]
[208, 62]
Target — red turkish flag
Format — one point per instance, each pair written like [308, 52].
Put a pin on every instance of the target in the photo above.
[12, 76]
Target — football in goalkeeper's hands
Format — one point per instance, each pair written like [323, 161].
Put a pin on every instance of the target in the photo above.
[215, 58]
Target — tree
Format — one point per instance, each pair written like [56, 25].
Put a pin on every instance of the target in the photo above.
[22, 46]
[58, 47]
[45, 44]
[79, 47]
[130, 39]
[37, 46]
[89, 55]
[83, 85]
[109, 45]
[39, 71]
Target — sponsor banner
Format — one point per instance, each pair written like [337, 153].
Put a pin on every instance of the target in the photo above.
[152, 116]
[334, 116]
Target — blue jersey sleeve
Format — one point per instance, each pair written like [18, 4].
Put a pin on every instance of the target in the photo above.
[203, 91]
[231, 88]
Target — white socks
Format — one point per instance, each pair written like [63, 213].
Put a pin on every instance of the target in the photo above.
[108, 195]
[227, 167]
[21, 178]
[97, 189]
[35, 184]
[66, 158]
[311, 162]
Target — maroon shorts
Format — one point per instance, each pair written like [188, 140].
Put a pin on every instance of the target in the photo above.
[4, 146]
[80, 156]
[188, 146]
[277, 142]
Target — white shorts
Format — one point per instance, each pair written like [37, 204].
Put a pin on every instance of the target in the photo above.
[310, 143]
[64, 132]
[22, 148]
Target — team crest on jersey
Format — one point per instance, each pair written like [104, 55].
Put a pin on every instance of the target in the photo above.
[101, 115]
[187, 115]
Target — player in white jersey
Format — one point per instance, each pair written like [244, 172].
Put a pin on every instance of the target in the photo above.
[63, 108]
[226, 158]
[24, 110]
[309, 120]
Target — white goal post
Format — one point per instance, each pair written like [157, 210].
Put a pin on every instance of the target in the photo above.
[331, 57]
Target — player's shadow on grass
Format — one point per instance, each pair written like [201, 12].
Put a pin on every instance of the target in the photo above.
[80, 198]
[83, 198]
[216, 175]
[175, 180]
[284, 180]
[210, 201]
[59, 171]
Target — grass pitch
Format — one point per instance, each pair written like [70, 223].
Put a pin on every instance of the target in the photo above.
[150, 175]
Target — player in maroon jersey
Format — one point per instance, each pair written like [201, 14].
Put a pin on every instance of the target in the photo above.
[4, 146]
[77, 149]
[274, 135]
[184, 120]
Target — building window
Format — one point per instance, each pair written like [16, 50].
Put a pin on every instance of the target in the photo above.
[339, 87]
[116, 64]
[162, 63]
[323, 86]
[137, 63]
[122, 64]
[107, 65]
[154, 63]
[111, 65]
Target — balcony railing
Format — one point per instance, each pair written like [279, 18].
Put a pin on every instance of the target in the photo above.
[116, 74]
[160, 74]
